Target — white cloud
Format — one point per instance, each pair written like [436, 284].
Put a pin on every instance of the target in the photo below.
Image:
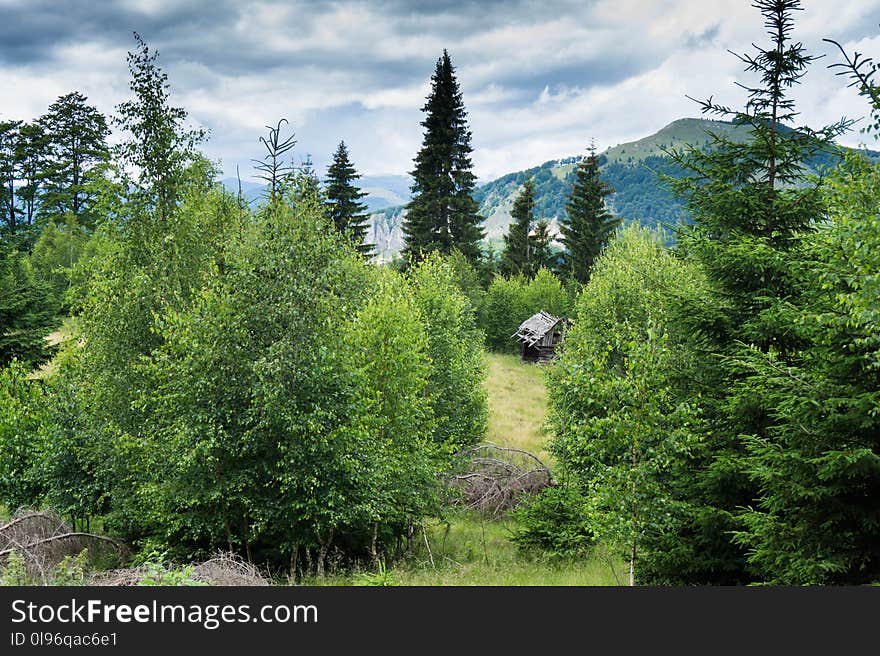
[537, 85]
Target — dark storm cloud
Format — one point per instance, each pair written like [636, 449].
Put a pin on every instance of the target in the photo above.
[205, 33]
[33, 30]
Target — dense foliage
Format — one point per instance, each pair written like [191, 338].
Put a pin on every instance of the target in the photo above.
[510, 301]
[239, 379]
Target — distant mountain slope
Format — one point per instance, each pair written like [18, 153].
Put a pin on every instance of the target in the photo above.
[632, 169]
[382, 190]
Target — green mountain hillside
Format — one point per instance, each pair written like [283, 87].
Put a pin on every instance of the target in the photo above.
[634, 170]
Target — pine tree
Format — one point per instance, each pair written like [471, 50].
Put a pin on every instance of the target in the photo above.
[516, 258]
[749, 213]
[443, 214]
[27, 311]
[33, 152]
[77, 134]
[588, 225]
[9, 137]
[343, 200]
[543, 256]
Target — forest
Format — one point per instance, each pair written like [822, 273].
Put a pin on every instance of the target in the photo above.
[188, 376]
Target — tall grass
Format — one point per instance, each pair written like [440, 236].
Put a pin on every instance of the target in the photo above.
[517, 404]
[470, 551]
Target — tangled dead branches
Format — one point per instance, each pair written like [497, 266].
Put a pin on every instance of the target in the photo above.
[229, 569]
[493, 478]
[43, 540]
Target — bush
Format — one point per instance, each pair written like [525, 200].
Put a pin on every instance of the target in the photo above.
[555, 521]
[455, 348]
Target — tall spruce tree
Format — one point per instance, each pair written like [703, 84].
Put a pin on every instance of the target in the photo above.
[9, 137]
[588, 225]
[442, 215]
[77, 137]
[541, 238]
[749, 213]
[516, 258]
[343, 200]
[818, 468]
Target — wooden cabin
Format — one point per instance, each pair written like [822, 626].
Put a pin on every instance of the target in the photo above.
[540, 335]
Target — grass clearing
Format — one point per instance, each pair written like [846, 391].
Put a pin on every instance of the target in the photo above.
[517, 404]
[469, 551]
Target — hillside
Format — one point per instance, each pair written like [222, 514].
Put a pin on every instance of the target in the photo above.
[632, 169]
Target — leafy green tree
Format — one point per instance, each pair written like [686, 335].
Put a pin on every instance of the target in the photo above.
[619, 396]
[467, 278]
[343, 198]
[588, 224]
[503, 309]
[76, 134]
[517, 257]
[388, 336]
[510, 301]
[21, 415]
[159, 147]
[56, 253]
[442, 215]
[546, 292]
[749, 214]
[455, 348]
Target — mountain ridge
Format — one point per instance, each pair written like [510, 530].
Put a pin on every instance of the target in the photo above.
[633, 169]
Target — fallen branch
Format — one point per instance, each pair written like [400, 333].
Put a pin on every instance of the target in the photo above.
[62, 536]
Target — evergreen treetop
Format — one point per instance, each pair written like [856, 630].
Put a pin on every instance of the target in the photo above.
[588, 225]
[442, 215]
[76, 134]
[748, 217]
[343, 200]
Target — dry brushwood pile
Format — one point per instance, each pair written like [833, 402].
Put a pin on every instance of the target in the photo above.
[43, 540]
[228, 569]
[492, 479]
[223, 569]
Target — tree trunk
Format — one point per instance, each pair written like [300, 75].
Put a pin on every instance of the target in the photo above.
[374, 555]
[294, 557]
[632, 565]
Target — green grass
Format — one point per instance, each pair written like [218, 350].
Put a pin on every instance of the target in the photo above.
[479, 552]
[517, 404]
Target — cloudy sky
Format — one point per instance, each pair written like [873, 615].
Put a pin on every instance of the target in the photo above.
[540, 78]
